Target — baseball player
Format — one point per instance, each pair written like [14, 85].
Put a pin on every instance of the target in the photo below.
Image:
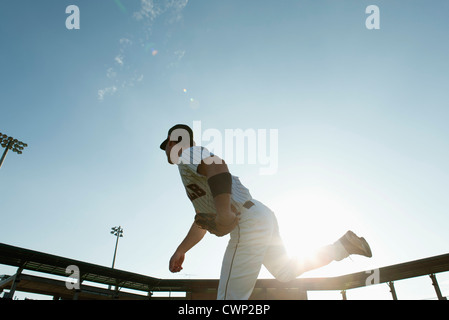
[223, 205]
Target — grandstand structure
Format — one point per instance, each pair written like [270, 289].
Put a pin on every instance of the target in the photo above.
[104, 283]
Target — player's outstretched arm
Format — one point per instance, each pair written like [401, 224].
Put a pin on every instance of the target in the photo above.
[194, 236]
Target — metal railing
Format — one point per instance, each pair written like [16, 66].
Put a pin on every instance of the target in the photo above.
[195, 289]
[297, 289]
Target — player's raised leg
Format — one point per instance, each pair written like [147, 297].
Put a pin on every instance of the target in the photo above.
[286, 269]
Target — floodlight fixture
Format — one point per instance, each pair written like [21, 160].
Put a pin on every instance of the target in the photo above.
[10, 143]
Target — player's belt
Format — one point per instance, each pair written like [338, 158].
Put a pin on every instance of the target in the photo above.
[248, 204]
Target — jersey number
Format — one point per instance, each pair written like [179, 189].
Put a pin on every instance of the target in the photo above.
[194, 191]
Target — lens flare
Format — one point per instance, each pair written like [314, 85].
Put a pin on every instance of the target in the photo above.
[120, 6]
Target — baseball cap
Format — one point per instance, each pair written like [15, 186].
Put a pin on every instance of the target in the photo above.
[178, 126]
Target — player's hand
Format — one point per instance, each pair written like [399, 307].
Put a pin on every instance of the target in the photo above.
[176, 261]
[225, 223]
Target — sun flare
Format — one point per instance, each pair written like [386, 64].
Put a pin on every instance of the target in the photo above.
[311, 218]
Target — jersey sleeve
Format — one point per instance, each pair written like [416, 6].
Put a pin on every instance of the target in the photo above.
[193, 156]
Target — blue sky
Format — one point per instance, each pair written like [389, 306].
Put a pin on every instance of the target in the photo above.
[361, 116]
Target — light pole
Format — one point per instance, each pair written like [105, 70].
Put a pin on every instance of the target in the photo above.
[118, 232]
[9, 143]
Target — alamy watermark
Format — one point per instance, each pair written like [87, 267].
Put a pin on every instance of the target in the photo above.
[372, 22]
[73, 20]
[73, 282]
[235, 146]
[373, 277]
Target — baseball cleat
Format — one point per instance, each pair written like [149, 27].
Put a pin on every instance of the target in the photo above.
[355, 245]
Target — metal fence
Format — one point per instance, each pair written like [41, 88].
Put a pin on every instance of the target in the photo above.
[90, 276]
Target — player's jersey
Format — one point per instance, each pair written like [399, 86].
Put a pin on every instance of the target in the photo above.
[197, 187]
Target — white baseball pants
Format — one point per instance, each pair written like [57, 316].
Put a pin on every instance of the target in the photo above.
[255, 242]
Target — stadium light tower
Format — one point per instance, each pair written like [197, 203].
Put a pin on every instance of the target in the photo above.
[9, 143]
[118, 232]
